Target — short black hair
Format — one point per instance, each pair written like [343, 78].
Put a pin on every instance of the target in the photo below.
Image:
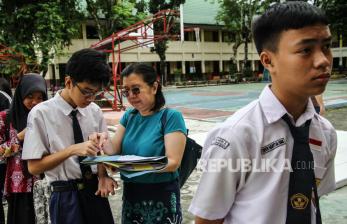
[5, 86]
[89, 65]
[149, 76]
[281, 17]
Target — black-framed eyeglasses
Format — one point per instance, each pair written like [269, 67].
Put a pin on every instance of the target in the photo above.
[135, 91]
[87, 93]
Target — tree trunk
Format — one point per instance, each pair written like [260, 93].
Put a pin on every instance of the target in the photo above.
[246, 55]
[163, 72]
[93, 12]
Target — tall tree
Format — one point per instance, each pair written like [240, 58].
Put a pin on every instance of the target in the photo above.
[114, 15]
[237, 16]
[336, 12]
[38, 29]
[160, 46]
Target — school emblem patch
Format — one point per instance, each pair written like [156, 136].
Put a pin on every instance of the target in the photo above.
[299, 201]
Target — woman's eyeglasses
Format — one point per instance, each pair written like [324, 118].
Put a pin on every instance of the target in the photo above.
[135, 91]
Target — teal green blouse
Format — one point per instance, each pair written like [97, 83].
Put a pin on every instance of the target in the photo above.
[144, 137]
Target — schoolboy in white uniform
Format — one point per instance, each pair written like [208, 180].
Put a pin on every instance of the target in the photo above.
[53, 147]
[247, 160]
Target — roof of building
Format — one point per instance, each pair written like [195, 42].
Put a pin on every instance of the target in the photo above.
[200, 12]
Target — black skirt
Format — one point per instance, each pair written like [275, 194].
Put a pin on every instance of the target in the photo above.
[20, 208]
[157, 203]
[2, 181]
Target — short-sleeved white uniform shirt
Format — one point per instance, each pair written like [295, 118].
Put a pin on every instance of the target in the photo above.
[246, 163]
[49, 130]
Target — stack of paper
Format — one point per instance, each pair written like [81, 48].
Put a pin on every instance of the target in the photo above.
[130, 165]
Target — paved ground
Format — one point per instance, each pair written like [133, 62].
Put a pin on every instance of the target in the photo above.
[204, 107]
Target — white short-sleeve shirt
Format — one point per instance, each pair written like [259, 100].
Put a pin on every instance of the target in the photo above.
[246, 163]
[49, 130]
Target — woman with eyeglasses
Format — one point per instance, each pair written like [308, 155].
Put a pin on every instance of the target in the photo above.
[30, 91]
[154, 197]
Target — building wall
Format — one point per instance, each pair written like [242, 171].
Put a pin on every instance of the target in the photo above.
[213, 55]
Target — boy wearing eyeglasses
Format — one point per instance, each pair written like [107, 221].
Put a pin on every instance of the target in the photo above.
[57, 140]
[271, 161]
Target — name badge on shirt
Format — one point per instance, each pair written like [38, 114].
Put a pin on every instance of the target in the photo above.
[273, 145]
[221, 142]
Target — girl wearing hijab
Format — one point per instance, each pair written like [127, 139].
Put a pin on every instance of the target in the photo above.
[18, 182]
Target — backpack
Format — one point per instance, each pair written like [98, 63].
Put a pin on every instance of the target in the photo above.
[191, 155]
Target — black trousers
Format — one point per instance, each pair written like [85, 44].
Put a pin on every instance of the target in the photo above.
[79, 206]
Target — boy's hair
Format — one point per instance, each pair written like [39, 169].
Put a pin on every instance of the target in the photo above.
[281, 17]
[149, 76]
[89, 65]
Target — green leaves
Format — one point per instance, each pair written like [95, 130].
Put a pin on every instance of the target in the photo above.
[111, 16]
[237, 16]
[37, 29]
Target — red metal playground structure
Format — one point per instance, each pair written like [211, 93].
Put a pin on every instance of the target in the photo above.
[13, 58]
[138, 35]
[18, 62]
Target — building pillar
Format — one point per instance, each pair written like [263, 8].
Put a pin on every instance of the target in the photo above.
[202, 35]
[203, 67]
[57, 74]
[220, 65]
[84, 35]
[220, 36]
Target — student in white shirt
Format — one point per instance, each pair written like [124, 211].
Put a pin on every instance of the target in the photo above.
[247, 160]
[51, 145]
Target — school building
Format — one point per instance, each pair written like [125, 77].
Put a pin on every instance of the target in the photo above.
[205, 53]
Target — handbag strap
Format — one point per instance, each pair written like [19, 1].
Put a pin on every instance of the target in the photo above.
[163, 121]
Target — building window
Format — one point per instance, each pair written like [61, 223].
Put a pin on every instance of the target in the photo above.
[189, 36]
[92, 33]
[228, 37]
[62, 74]
[211, 36]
